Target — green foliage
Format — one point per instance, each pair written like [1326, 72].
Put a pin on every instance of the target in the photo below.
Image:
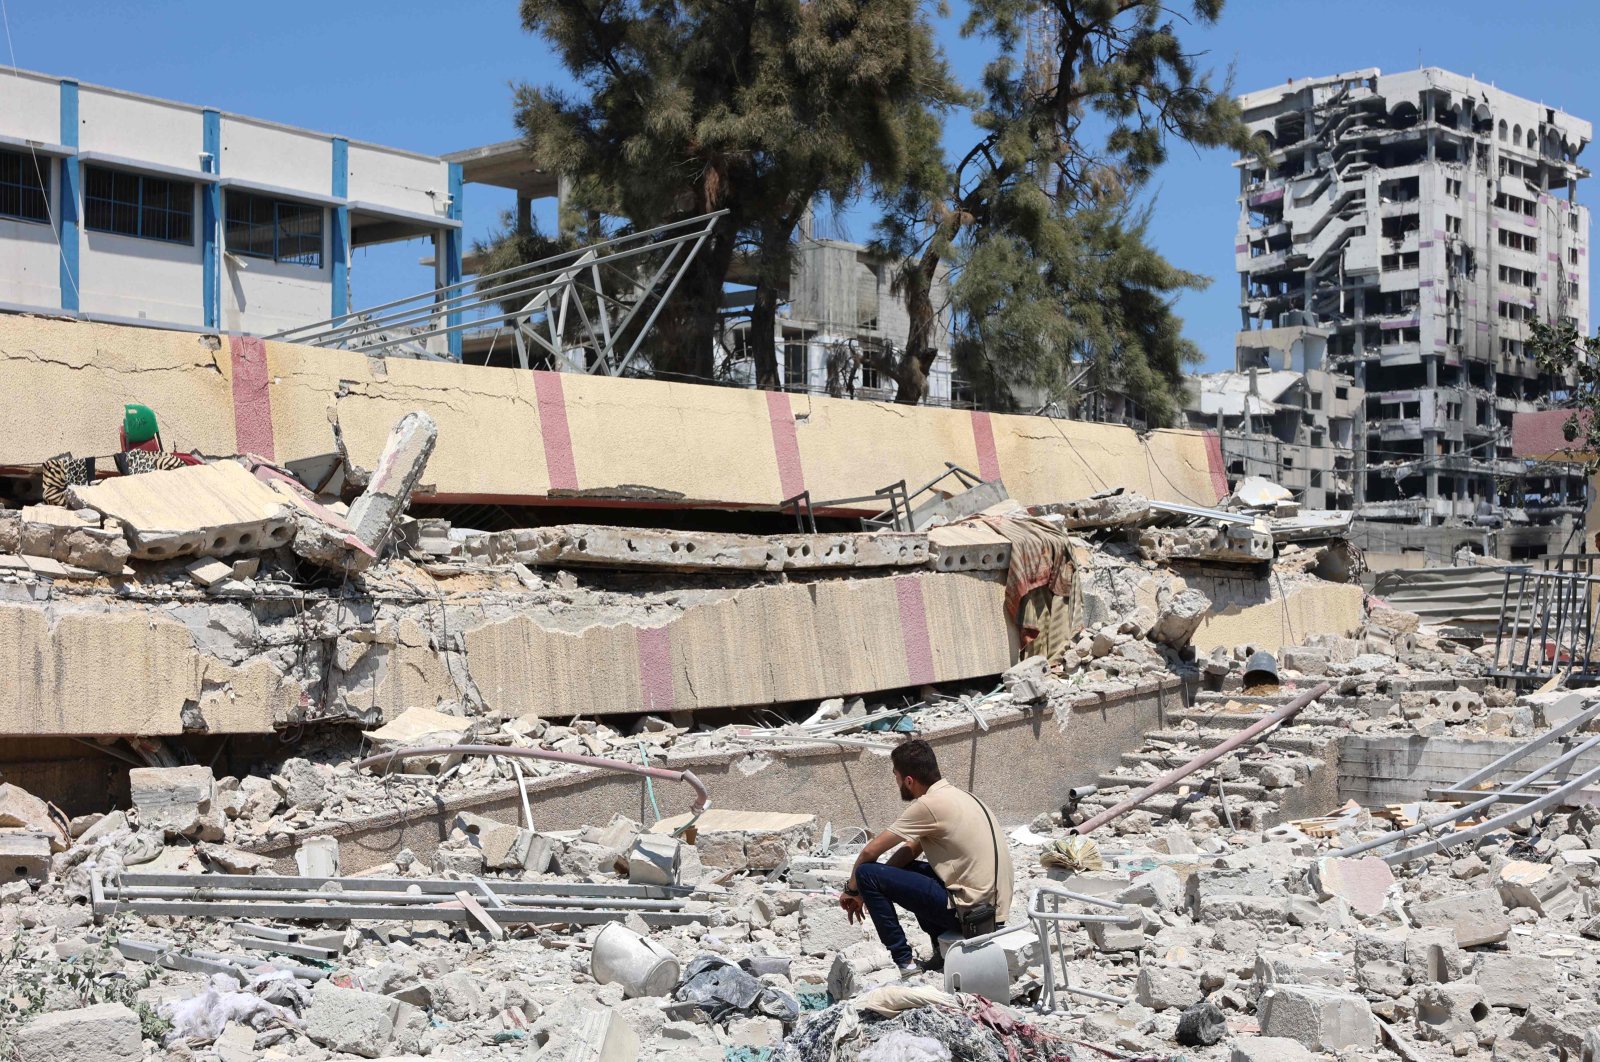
[37, 988]
[1053, 284]
[1566, 354]
[759, 107]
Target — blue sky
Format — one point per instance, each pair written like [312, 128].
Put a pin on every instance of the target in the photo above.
[435, 77]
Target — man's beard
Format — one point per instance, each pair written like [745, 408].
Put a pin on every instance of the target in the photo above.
[906, 794]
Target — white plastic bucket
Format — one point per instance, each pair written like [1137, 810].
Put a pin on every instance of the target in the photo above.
[642, 967]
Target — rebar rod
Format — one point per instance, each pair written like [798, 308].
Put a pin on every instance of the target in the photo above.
[702, 798]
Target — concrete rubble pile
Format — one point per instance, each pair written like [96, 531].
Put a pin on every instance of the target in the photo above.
[440, 843]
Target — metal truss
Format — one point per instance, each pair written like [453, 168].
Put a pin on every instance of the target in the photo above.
[586, 310]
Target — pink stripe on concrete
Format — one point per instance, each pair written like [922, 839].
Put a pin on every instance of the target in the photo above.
[785, 444]
[655, 668]
[252, 399]
[914, 629]
[983, 438]
[559, 463]
[1219, 468]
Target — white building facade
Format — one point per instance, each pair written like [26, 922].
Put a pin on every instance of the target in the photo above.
[125, 208]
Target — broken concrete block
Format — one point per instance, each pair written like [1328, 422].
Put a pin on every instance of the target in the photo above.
[1322, 1019]
[580, 1031]
[455, 996]
[10, 531]
[1538, 886]
[1433, 956]
[213, 510]
[177, 800]
[1179, 617]
[1477, 917]
[399, 469]
[1114, 936]
[349, 1020]
[1028, 680]
[504, 846]
[301, 783]
[1159, 888]
[317, 857]
[208, 571]
[1380, 962]
[24, 856]
[1514, 981]
[1269, 1049]
[20, 808]
[1163, 986]
[106, 1032]
[1363, 883]
[825, 929]
[1444, 1012]
[1274, 968]
[655, 860]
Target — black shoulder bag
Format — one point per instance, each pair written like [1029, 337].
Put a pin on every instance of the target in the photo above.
[977, 919]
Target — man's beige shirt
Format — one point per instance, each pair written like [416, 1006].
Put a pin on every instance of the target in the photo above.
[954, 831]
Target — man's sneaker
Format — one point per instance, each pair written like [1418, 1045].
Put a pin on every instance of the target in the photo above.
[908, 972]
[932, 964]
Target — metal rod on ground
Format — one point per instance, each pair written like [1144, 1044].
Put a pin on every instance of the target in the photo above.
[395, 899]
[1577, 722]
[1472, 833]
[1457, 814]
[701, 802]
[522, 791]
[1177, 774]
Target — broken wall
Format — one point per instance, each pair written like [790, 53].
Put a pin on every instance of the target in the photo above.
[1026, 761]
[513, 436]
[87, 665]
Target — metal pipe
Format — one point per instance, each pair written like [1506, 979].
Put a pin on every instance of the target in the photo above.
[702, 798]
[1457, 814]
[1472, 833]
[1177, 774]
[397, 899]
[1577, 722]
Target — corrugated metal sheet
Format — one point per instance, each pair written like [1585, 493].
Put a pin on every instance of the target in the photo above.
[1452, 597]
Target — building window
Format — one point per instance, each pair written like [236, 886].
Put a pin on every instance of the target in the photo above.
[132, 204]
[1341, 393]
[284, 231]
[1572, 255]
[1452, 187]
[22, 193]
[870, 380]
[1452, 225]
[795, 365]
[1572, 221]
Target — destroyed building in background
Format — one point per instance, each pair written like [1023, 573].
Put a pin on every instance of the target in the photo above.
[1417, 224]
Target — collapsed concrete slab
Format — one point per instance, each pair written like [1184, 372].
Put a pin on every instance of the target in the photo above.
[214, 510]
[758, 645]
[562, 436]
[595, 545]
[109, 666]
[388, 488]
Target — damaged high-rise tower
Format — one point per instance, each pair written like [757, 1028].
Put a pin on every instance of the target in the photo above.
[1409, 229]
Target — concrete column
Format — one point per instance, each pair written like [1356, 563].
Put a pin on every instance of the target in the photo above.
[211, 221]
[340, 243]
[452, 254]
[67, 207]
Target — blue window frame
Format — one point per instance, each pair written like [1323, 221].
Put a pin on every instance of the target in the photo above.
[132, 204]
[280, 229]
[22, 187]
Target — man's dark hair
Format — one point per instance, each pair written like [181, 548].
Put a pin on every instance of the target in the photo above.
[915, 759]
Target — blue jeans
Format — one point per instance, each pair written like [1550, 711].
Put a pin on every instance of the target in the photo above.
[913, 887]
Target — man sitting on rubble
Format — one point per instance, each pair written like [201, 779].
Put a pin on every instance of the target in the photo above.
[962, 883]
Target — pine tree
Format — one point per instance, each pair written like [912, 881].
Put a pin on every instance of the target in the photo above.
[757, 107]
[1053, 284]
